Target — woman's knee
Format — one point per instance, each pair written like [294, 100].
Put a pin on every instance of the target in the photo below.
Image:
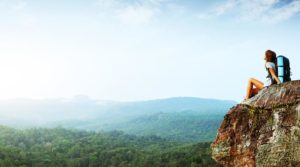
[250, 81]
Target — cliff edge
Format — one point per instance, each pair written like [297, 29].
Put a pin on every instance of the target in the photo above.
[263, 131]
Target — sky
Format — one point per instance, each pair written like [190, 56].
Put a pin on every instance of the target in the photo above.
[130, 50]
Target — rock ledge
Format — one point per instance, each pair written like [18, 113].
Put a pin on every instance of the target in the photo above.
[263, 131]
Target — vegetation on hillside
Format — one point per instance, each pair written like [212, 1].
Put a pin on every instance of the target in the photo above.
[63, 148]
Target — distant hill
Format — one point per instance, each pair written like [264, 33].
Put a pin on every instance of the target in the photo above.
[186, 119]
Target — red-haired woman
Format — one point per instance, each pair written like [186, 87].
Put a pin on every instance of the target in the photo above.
[254, 86]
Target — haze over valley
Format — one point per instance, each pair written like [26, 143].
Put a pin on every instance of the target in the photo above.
[180, 118]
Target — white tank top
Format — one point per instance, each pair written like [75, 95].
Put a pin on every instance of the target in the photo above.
[269, 77]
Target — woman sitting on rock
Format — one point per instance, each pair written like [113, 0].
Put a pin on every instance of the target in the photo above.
[254, 86]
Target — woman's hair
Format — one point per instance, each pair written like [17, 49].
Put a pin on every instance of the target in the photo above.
[271, 56]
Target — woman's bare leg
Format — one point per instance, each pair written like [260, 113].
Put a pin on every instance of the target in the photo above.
[249, 89]
[257, 84]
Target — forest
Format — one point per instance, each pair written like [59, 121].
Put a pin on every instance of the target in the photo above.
[60, 147]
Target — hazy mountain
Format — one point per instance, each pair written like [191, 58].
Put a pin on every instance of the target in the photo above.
[179, 118]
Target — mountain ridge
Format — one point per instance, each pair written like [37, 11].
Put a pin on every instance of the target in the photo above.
[187, 119]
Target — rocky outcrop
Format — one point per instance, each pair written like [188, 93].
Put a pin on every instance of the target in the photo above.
[263, 131]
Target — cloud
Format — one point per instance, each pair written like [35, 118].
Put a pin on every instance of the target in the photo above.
[273, 11]
[19, 5]
[108, 3]
[12, 5]
[221, 9]
[135, 12]
[18, 12]
[283, 13]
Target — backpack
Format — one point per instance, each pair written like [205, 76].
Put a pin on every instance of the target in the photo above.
[283, 69]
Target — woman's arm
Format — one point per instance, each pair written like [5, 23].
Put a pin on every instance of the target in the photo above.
[274, 75]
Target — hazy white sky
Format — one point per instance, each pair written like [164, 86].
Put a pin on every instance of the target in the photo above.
[141, 49]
